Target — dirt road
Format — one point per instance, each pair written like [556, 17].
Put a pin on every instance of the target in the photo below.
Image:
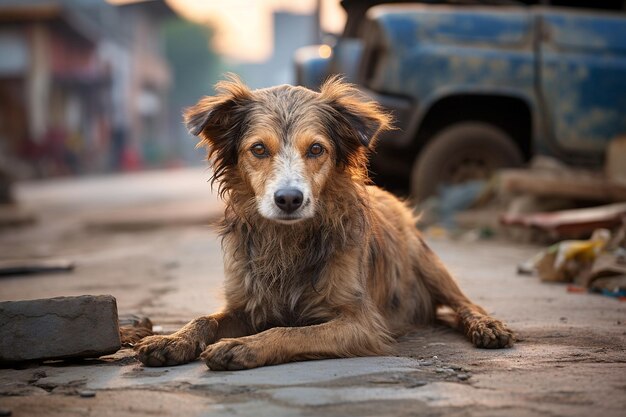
[143, 238]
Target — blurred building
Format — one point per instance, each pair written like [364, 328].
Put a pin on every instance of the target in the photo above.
[83, 85]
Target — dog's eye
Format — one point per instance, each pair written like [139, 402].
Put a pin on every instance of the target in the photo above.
[315, 150]
[259, 150]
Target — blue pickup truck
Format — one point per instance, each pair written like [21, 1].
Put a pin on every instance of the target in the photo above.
[477, 87]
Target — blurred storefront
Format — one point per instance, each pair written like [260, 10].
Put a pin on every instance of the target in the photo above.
[83, 86]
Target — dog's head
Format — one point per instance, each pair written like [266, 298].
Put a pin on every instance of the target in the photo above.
[284, 143]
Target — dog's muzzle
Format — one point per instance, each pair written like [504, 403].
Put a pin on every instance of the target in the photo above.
[288, 199]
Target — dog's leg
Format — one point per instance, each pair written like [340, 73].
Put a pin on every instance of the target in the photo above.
[346, 336]
[356, 329]
[483, 330]
[187, 343]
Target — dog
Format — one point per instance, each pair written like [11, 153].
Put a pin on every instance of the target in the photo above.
[318, 262]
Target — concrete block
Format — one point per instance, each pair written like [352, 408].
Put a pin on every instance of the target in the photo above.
[56, 328]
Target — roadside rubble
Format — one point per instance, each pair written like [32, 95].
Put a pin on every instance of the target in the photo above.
[580, 214]
[551, 201]
[544, 203]
[568, 259]
[569, 224]
[547, 177]
[596, 265]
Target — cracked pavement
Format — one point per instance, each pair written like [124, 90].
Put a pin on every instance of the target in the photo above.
[145, 239]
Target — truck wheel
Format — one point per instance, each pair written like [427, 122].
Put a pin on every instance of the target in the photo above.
[462, 152]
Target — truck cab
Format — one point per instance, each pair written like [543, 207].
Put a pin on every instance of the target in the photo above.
[474, 87]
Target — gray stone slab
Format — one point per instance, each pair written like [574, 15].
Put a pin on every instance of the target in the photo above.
[197, 374]
[61, 327]
[437, 394]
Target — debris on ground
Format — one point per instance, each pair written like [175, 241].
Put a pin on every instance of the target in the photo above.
[459, 197]
[547, 202]
[566, 260]
[608, 274]
[450, 200]
[551, 179]
[595, 265]
[568, 224]
[34, 266]
[56, 328]
[550, 201]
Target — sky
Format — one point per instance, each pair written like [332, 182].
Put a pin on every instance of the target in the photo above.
[243, 28]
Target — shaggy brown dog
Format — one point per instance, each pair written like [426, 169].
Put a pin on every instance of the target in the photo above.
[318, 263]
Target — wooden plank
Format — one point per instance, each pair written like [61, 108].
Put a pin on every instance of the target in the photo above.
[572, 185]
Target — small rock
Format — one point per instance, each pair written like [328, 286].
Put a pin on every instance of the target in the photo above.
[5, 412]
[87, 394]
[463, 377]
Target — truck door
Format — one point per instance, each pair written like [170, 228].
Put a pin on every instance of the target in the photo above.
[582, 78]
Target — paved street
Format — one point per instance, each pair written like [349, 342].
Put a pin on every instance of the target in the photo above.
[145, 239]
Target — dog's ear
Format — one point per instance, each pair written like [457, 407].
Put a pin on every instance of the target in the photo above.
[214, 112]
[358, 119]
[220, 121]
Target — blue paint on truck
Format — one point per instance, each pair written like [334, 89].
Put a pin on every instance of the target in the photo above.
[551, 80]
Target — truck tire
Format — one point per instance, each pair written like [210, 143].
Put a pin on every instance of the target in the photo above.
[461, 152]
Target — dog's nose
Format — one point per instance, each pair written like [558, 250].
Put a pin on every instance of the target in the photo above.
[288, 199]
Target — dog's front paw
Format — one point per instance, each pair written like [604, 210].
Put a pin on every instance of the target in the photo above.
[231, 355]
[489, 333]
[165, 350]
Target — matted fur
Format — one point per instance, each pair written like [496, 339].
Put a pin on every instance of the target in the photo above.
[344, 274]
